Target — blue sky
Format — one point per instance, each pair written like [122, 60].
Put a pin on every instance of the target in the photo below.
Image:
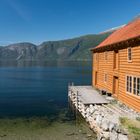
[42, 20]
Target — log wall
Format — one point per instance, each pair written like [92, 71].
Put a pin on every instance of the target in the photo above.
[103, 65]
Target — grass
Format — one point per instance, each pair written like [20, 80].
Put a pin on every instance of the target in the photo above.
[133, 127]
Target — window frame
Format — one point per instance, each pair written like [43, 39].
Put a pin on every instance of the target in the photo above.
[133, 88]
[129, 89]
[129, 54]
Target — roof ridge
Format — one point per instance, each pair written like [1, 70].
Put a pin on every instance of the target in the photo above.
[131, 30]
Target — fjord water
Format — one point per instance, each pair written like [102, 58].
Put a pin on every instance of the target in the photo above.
[37, 89]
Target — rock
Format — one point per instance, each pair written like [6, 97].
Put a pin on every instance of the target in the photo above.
[89, 118]
[105, 125]
[103, 136]
[99, 137]
[96, 107]
[91, 111]
[91, 106]
[111, 126]
[98, 120]
[71, 134]
[88, 110]
[102, 114]
[122, 137]
[113, 135]
[89, 135]
[106, 135]
[96, 113]
[117, 129]
[80, 131]
[124, 131]
[110, 99]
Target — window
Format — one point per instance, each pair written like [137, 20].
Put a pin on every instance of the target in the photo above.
[105, 77]
[133, 85]
[136, 87]
[105, 55]
[129, 84]
[129, 54]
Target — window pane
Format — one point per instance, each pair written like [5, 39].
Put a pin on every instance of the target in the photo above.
[127, 83]
[134, 85]
[129, 54]
[130, 84]
[138, 86]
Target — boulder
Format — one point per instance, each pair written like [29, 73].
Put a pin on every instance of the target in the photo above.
[105, 125]
[124, 131]
[111, 126]
[88, 110]
[113, 135]
[117, 129]
[122, 137]
[106, 135]
[91, 106]
[99, 120]
[96, 107]
[91, 110]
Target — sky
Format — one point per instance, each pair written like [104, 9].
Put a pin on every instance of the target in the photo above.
[36, 21]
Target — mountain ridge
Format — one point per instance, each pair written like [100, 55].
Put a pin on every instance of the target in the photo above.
[69, 49]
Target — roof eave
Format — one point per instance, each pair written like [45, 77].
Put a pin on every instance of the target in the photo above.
[118, 45]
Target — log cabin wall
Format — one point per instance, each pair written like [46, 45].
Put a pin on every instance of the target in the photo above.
[127, 68]
[103, 70]
[104, 73]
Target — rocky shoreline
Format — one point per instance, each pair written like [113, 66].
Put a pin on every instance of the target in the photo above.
[105, 119]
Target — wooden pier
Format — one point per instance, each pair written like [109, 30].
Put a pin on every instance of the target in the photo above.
[82, 96]
[100, 112]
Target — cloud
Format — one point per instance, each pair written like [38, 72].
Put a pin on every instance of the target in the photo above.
[20, 11]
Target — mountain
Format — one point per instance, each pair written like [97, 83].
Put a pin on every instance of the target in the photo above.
[71, 49]
[19, 51]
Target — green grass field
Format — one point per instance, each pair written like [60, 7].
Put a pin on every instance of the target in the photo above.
[133, 127]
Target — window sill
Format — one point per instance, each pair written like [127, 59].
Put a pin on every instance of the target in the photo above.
[133, 95]
[129, 61]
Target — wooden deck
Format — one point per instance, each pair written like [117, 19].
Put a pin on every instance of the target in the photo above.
[87, 95]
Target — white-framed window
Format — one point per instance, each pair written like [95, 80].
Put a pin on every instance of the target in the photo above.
[129, 84]
[133, 85]
[136, 85]
[129, 54]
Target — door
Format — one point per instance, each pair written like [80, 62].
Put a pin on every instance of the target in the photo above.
[115, 86]
[96, 78]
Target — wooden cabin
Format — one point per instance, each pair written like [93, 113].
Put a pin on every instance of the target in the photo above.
[116, 65]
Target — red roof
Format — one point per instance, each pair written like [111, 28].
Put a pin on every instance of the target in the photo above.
[131, 30]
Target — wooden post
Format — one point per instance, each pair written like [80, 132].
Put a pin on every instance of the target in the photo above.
[76, 107]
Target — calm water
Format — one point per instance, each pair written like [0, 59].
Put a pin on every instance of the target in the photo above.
[39, 89]
[34, 102]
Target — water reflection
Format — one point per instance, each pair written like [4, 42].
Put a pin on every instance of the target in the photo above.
[44, 63]
[38, 88]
